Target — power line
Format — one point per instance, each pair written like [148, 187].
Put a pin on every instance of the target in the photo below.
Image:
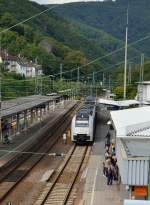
[28, 19]
[109, 54]
[117, 64]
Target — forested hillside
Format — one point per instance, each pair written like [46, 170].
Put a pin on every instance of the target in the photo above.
[51, 39]
[111, 18]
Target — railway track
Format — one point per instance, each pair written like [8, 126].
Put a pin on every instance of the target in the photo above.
[17, 173]
[59, 192]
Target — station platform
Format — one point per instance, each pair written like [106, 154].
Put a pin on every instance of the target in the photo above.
[28, 136]
[96, 191]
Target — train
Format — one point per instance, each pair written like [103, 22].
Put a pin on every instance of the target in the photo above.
[83, 124]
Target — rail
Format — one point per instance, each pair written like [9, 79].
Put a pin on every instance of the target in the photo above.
[58, 129]
[59, 191]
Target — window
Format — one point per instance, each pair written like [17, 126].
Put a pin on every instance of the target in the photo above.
[79, 124]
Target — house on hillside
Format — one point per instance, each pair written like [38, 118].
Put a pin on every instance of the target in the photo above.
[20, 65]
[9, 61]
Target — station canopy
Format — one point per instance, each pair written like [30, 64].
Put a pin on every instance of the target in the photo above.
[123, 103]
[18, 105]
[132, 123]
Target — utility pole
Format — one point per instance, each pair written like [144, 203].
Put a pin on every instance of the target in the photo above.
[35, 86]
[78, 74]
[88, 85]
[142, 68]
[41, 86]
[78, 79]
[129, 74]
[103, 79]
[61, 67]
[93, 82]
[126, 58]
[110, 82]
[93, 78]
[141, 79]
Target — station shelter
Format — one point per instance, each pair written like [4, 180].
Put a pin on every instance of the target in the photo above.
[21, 113]
[132, 131]
[118, 105]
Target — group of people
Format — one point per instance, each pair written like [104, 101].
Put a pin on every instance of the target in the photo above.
[110, 167]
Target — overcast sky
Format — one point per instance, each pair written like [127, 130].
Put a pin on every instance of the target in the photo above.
[59, 1]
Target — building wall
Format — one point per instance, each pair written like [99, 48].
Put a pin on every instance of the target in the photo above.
[27, 71]
[146, 92]
[133, 171]
[30, 72]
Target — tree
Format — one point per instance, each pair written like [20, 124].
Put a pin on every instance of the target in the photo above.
[118, 91]
[7, 20]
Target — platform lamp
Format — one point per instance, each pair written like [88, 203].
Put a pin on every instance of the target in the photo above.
[52, 81]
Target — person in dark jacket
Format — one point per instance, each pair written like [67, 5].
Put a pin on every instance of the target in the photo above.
[107, 140]
[110, 175]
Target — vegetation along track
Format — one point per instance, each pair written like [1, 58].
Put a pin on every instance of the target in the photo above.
[59, 191]
[16, 174]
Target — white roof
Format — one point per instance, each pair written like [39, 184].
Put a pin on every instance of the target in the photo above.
[144, 83]
[136, 202]
[131, 121]
[144, 132]
[136, 148]
[123, 103]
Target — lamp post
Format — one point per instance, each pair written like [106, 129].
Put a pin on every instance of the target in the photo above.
[52, 80]
[126, 58]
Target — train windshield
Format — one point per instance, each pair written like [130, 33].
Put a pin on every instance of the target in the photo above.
[82, 116]
[82, 124]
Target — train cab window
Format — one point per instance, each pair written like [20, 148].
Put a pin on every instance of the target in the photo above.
[79, 124]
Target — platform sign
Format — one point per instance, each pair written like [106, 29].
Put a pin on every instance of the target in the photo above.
[136, 202]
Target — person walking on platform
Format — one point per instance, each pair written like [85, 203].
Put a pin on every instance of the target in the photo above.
[116, 173]
[107, 155]
[110, 176]
[107, 140]
[65, 138]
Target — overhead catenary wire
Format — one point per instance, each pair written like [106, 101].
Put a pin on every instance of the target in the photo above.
[117, 64]
[92, 61]
[109, 54]
[28, 19]
[75, 78]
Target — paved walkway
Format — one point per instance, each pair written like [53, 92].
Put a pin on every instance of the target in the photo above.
[96, 191]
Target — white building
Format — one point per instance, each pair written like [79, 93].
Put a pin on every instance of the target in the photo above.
[21, 65]
[132, 127]
[143, 92]
[25, 68]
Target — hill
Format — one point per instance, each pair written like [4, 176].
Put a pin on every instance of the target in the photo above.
[52, 39]
[110, 17]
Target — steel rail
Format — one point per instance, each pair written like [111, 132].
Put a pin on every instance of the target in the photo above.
[44, 197]
[57, 131]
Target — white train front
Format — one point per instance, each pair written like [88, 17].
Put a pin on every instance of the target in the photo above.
[83, 125]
